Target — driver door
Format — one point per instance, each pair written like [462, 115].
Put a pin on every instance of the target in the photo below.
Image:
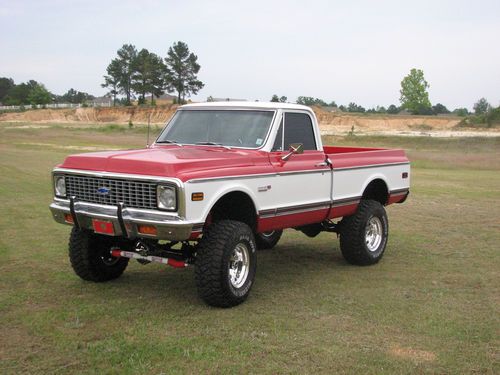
[301, 191]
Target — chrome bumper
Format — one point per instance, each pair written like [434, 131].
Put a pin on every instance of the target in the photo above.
[125, 220]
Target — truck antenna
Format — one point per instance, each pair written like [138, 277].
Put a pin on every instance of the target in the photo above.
[149, 121]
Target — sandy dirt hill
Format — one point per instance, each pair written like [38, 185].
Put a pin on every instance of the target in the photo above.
[112, 115]
[330, 123]
[333, 123]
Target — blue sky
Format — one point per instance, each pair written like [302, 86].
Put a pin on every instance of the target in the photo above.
[335, 50]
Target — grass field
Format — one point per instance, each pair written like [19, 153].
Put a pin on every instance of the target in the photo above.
[432, 305]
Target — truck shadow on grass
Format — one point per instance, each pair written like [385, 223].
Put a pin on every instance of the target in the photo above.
[279, 270]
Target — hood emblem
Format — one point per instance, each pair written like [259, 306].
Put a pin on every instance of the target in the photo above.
[103, 190]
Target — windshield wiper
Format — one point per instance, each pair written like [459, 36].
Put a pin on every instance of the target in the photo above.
[208, 143]
[170, 141]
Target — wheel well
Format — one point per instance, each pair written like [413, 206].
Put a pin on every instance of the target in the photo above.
[235, 206]
[377, 190]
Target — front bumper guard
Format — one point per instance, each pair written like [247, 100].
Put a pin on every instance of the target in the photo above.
[125, 220]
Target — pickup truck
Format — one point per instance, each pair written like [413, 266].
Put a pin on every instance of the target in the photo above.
[221, 181]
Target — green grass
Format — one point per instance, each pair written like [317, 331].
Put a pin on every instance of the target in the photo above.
[430, 306]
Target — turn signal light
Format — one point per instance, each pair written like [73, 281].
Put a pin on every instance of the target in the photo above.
[147, 229]
[68, 218]
[197, 196]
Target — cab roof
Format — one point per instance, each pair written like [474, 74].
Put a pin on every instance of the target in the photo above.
[245, 105]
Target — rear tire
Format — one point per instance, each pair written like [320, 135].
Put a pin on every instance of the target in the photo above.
[363, 236]
[267, 240]
[90, 256]
[225, 263]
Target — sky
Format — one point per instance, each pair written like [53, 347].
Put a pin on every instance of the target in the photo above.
[346, 51]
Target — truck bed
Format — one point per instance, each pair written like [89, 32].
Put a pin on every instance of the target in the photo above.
[357, 157]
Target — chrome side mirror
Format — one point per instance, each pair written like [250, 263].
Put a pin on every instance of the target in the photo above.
[295, 148]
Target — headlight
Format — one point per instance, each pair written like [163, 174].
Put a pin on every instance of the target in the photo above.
[166, 198]
[60, 186]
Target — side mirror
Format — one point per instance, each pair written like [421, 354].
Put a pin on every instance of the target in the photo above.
[295, 148]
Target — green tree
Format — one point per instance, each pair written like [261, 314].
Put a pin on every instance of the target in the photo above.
[493, 116]
[309, 101]
[147, 75]
[462, 112]
[39, 95]
[126, 55]
[279, 99]
[393, 110]
[75, 97]
[18, 94]
[5, 85]
[113, 78]
[481, 107]
[439, 109]
[181, 71]
[414, 95]
[353, 107]
[119, 78]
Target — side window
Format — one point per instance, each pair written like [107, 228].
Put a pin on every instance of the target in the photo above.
[278, 142]
[299, 129]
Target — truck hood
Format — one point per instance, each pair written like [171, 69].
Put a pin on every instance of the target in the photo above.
[184, 162]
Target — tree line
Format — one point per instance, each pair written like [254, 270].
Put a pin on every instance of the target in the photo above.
[35, 93]
[414, 98]
[145, 73]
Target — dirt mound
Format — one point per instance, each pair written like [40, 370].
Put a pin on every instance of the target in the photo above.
[114, 115]
[334, 123]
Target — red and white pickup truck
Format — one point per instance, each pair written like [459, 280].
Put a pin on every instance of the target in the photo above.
[222, 180]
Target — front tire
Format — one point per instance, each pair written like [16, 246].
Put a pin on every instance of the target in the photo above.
[90, 256]
[226, 263]
[267, 240]
[363, 236]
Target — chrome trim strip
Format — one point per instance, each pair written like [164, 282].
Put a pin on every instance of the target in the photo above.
[124, 176]
[369, 166]
[262, 175]
[346, 202]
[281, 211]
[399, 191]
[198, 227]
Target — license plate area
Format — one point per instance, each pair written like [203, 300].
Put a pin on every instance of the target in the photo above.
[103, 227]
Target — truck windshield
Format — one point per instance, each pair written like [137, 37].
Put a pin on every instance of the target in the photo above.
[232, 128]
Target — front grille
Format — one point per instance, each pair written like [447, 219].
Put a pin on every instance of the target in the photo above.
[137, 194]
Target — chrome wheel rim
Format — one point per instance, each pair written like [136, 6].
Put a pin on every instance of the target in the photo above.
[239, 265]
[373, 234]
[268, 234]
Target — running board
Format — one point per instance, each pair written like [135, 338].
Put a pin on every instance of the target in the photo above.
[131, 255]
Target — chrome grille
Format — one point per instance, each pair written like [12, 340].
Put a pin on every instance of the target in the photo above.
[138, 194]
